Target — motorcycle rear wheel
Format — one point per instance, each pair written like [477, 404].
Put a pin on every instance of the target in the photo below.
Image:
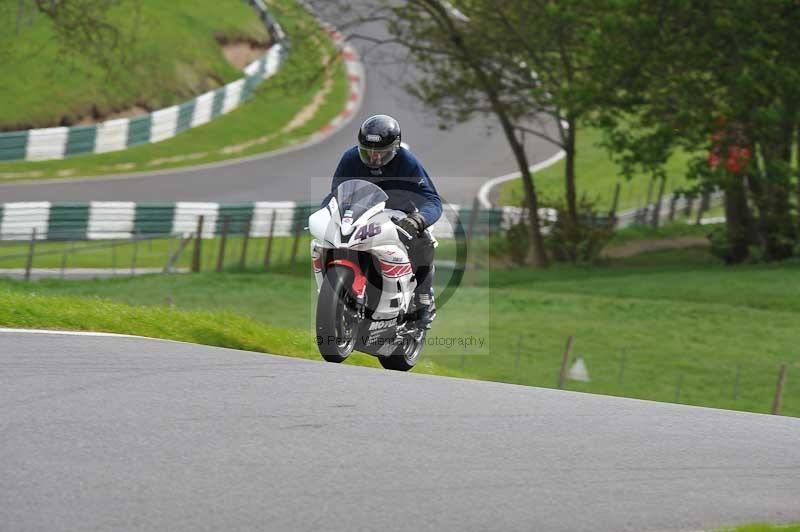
[337, 325]
[405, 355]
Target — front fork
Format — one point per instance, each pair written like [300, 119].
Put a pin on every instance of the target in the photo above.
[359, 285]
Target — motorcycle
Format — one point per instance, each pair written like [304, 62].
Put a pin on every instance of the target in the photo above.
[365, 281]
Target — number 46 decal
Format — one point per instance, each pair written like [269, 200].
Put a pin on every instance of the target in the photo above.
[367, 231]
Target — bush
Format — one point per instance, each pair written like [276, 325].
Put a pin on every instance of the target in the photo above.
[564, 241]
[580, 242]
[516, 242]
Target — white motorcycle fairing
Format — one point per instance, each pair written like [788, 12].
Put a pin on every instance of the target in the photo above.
[371, 246]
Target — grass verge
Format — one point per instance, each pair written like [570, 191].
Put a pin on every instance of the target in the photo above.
[256, 127]
[662, 327]
[221, 328]
[763, 527]
[596, 176]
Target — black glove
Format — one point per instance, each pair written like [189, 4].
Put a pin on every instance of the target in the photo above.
[413, 224]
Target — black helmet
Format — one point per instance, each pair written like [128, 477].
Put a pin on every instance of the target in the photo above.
[378, 140]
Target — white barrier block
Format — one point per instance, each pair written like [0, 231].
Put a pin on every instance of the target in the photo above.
[46, 144]
[19, 220]
[202, 109]
[111, 220]
[273, 60]
[233, 96]
[112, 136]
[252, 68]
[184, 219]
[262, 217]
[164, 124]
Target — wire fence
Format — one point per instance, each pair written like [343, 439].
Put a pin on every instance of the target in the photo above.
[765, 384]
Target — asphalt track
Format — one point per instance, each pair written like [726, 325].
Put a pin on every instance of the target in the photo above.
[130, 434]
[460, 160]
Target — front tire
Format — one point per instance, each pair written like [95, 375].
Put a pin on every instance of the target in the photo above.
[337, 325]
[405, 355]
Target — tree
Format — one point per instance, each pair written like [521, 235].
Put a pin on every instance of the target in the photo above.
[718, 76]
[520, 61]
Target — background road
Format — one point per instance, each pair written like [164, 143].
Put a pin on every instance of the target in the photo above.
[128, 434]
[460, 160]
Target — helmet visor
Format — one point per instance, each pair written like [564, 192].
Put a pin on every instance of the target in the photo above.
[376, 157]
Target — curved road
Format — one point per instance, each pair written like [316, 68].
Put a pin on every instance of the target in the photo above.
[130, 434]
[460, 160]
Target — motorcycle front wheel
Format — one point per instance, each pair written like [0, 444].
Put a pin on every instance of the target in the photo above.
[337, 324]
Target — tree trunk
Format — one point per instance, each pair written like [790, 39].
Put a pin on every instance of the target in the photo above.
[777, 228]
[797, 176]
[537, 254]
[572, 201]
[737, 221]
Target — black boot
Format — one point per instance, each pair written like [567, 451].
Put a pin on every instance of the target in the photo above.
[426, 309]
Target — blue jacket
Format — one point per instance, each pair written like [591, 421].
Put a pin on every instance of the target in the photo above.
[404, 180]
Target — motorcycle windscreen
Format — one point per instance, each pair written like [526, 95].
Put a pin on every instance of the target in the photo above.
[356, 196]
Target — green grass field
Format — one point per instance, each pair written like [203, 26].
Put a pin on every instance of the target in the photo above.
[596, 176]
[762, 527]
[693, 332]
[255, 127]
[171, 47]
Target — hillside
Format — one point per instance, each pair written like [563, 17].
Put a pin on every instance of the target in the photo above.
[168, 52]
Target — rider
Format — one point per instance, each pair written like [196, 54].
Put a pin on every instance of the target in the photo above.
[380, 159]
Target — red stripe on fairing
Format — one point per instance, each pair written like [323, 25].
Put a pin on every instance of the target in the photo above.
[395, 270]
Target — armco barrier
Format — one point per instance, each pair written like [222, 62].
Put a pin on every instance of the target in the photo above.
[123, 133]
[111, 220]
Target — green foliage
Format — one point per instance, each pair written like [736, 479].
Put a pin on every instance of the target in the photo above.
[720, 77]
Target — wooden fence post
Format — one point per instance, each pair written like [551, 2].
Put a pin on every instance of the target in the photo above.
[246, 240]
[777, 403]
[646, 210]
[31, 252]
[135, 253]
[673, 204]
[562, 376]
[705, 204]
[268, 254]
[657, 210]
[687, 210]
[226, 226]
[473, 220]
[298, 231]
[198, 245]
[612, 215]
